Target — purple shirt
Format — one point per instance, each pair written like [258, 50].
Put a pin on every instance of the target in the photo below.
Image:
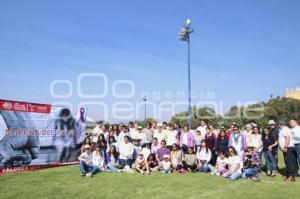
[161, 152]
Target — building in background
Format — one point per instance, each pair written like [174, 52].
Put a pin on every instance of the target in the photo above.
[293, 93]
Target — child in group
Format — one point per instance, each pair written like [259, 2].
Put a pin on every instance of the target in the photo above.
[152, 162]
[141, 164]
[220, 166]
[165, 165]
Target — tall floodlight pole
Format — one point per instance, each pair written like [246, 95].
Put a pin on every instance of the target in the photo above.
[145, 100]
[184, 35]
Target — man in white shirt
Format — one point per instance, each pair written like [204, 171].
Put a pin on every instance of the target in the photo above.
[287, 147]
[202, 127]
[95, 133]
[295, 128]
[126, 152]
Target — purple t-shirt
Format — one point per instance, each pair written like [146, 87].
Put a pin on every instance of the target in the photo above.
[161, 152]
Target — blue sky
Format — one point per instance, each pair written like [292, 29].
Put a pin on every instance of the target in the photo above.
[241, 50]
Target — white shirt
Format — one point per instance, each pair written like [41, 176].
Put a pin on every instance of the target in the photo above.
[256, 140]
[126, 150]
[202, 129]
[222, 163]
[96, 132]
[146, 152]
[185, 138]
[171, 137]
[296, 134]
[97, 159]
[283, 133]
[159, 135]
[202, 155]
[121, 137]
[233, 161]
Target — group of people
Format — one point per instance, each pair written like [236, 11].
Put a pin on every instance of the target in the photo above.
[161, 147]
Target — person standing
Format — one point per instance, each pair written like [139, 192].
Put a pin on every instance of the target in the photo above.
[287, 147]
[274, 130]
[238, 141]
[295, 128]
[126, 152]
[270, 144]
[160, 133]
[186, 139]
[171, 136]
[148, 131]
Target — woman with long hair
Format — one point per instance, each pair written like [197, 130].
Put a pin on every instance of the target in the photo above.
[269, 151]
[112, 160]
[234, 165]
[203, 156]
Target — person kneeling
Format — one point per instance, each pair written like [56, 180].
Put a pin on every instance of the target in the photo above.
[141, 164]
[251, 164]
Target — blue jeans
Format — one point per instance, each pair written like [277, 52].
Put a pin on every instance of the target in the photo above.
[249, 172]
[233, 176]
[125, 162]
[95, 169]
[270, 161]
[203, 169]
[112, 168]
[84, 168]
[212, 168]
[297, 150]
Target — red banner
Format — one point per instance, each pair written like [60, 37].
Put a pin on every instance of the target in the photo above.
[24, 106]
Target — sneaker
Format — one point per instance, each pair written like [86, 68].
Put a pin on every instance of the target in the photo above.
[163, 172]
[89, 175]
[212, 173]
[169, 172]
[147, 172]
[82, 174]
[142, 172]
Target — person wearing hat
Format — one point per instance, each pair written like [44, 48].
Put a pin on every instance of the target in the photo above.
[141, 164]
[85, 159]
[251, 163]
[165, 165]
[286, 145]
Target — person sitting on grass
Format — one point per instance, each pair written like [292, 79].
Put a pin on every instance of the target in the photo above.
[152, 162]
[190, 161]
[234, 165]
[204, 156]
[220, 166]
[98, 162]
[112, 160]
[141, 164]
[251, 163]
[162, 151]
[176, 157]
[165, 165]
[85, 159]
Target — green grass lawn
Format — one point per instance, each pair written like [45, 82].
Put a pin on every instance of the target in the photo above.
[66, 182]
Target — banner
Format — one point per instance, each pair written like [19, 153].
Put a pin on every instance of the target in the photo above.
[35, 136]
